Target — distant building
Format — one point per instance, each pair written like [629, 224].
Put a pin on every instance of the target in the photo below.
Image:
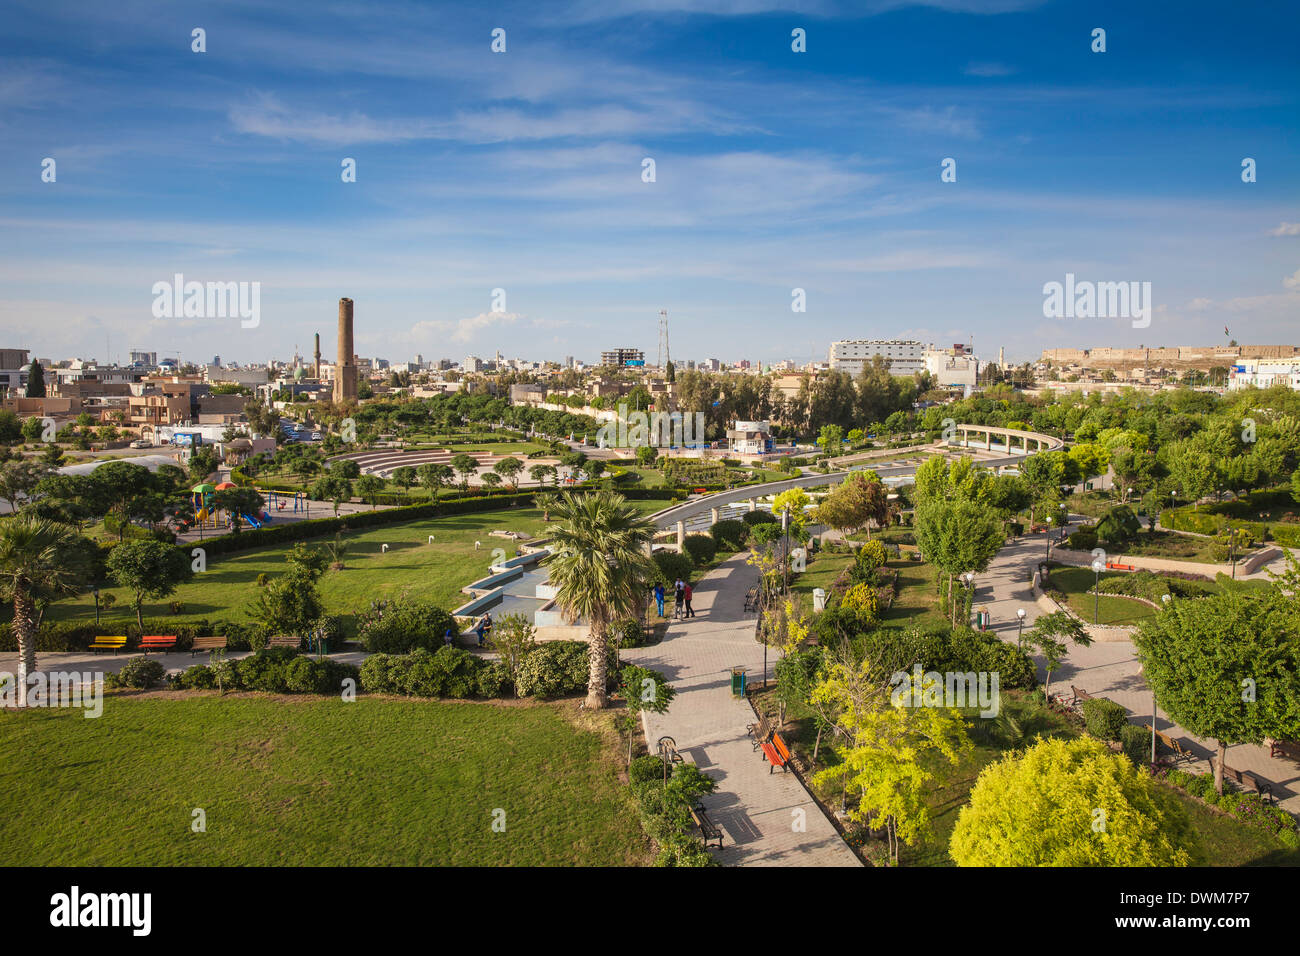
[905, 357]
[521, 394]
[622, 357]
[13, 369]
[1265, 373]
[952, 368]
[750, 438]
[472, 363]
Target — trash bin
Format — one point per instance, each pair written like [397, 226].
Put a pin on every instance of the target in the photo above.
[819, 599]
[738, 682]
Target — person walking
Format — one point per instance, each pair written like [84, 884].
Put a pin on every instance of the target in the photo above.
[690, 611]
[659, 597]
[679, 591]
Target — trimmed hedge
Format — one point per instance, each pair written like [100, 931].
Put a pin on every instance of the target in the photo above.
[276, 670]
[1104, 719]
[448, 672]
[730, 533]
[701, 547]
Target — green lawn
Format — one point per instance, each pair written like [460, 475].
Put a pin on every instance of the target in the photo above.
[313, 781]
[1176, 547]
[435, 572]
[1112, 609]
[917, 603]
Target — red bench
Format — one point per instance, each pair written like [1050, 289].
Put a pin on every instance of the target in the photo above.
[1115, 566]
[774, 757]
[157, 642]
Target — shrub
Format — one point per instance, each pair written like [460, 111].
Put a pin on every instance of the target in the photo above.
[139, 672]
[306, 675]
[626, 633]
[1137, 743]
[701, 548]
[862, 601]
[646, 769]
[554, 669]
[871, 556]
[406, 624]
[1103, 718]
[198, 677]
[1085, 539]
[758, 517]
[730, 533]
[672, 565]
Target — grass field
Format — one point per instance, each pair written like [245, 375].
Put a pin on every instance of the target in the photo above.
[434, 572]
[1110, 608]
[917, 604]
[312, 781]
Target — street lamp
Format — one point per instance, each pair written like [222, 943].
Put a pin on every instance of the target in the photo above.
[1020, 626]
[1141, 669]
[1097, 568]
[968, 577]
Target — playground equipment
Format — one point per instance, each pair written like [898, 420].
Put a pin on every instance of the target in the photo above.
[281, 501]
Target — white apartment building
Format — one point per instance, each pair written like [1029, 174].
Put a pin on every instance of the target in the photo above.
[852, 355]
[952, 368]
[1265, 373]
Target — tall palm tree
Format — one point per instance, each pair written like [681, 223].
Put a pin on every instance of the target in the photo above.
[600, 570]
[39, 560]
[545, 500]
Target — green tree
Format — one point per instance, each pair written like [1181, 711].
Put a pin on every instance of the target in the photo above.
[40, 561]
[435, 477]
[1227, 666]
[404, 477]
[1071, 803]
[513, 638]
[35, 380]
[600, 569]
[465, 466]
[289, 603]
[369, 487]
[1050, 634]
[957, 536]
[148, 568]
[509, 469]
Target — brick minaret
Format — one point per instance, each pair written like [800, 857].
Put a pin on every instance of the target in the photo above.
[345, 372]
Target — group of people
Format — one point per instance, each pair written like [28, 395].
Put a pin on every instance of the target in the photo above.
[683, 594]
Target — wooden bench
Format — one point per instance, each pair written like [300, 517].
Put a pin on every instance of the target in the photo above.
[1172, 744]
[285, 640]
[774, 758]
[708, 828]
[201, 644]
[782, 749]
[761, 732]
[1248, 779]
[751, 600]
[113, 644]
[1080, 695]
[157, 642]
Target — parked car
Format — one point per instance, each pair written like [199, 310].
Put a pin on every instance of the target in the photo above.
[141, 443]
[315, 436]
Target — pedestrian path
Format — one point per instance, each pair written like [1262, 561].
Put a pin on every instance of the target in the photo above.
[1110, 668]
[766, 819]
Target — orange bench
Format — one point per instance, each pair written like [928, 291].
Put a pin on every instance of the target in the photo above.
[157, 642]
[773, 758]
[1114, 566]
[782, 750]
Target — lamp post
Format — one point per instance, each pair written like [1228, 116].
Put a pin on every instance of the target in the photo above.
[968, 577]
[1141, 670]
[1020, 626]
[1097, 567]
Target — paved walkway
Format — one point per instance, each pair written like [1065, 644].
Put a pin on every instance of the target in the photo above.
[1109, 668]
[755, 810]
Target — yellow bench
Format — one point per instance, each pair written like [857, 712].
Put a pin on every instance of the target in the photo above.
[113, 644]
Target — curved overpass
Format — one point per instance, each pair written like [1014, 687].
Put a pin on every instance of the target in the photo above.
[677, 515]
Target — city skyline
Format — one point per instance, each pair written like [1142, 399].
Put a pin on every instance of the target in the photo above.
[775, 170]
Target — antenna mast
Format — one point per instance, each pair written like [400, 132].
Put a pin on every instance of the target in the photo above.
[664, 356]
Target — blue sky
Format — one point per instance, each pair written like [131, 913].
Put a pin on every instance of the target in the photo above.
[521, 170]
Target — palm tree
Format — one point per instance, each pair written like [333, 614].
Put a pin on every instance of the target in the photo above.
[40, 560]
[599, 569]
[546, 500]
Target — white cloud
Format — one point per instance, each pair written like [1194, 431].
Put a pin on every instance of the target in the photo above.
[1286, 229]
[1293, 280]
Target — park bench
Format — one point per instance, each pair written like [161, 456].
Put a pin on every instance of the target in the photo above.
[216, 643]
[1172, 744]
[774, 758]
[782, 749]
[1248, 779]
[751, 600]
[760, 731]
[1116, 566]
[284, 640]
[157, 642]
[707, 827]
[1080, 695]
[113, 644]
